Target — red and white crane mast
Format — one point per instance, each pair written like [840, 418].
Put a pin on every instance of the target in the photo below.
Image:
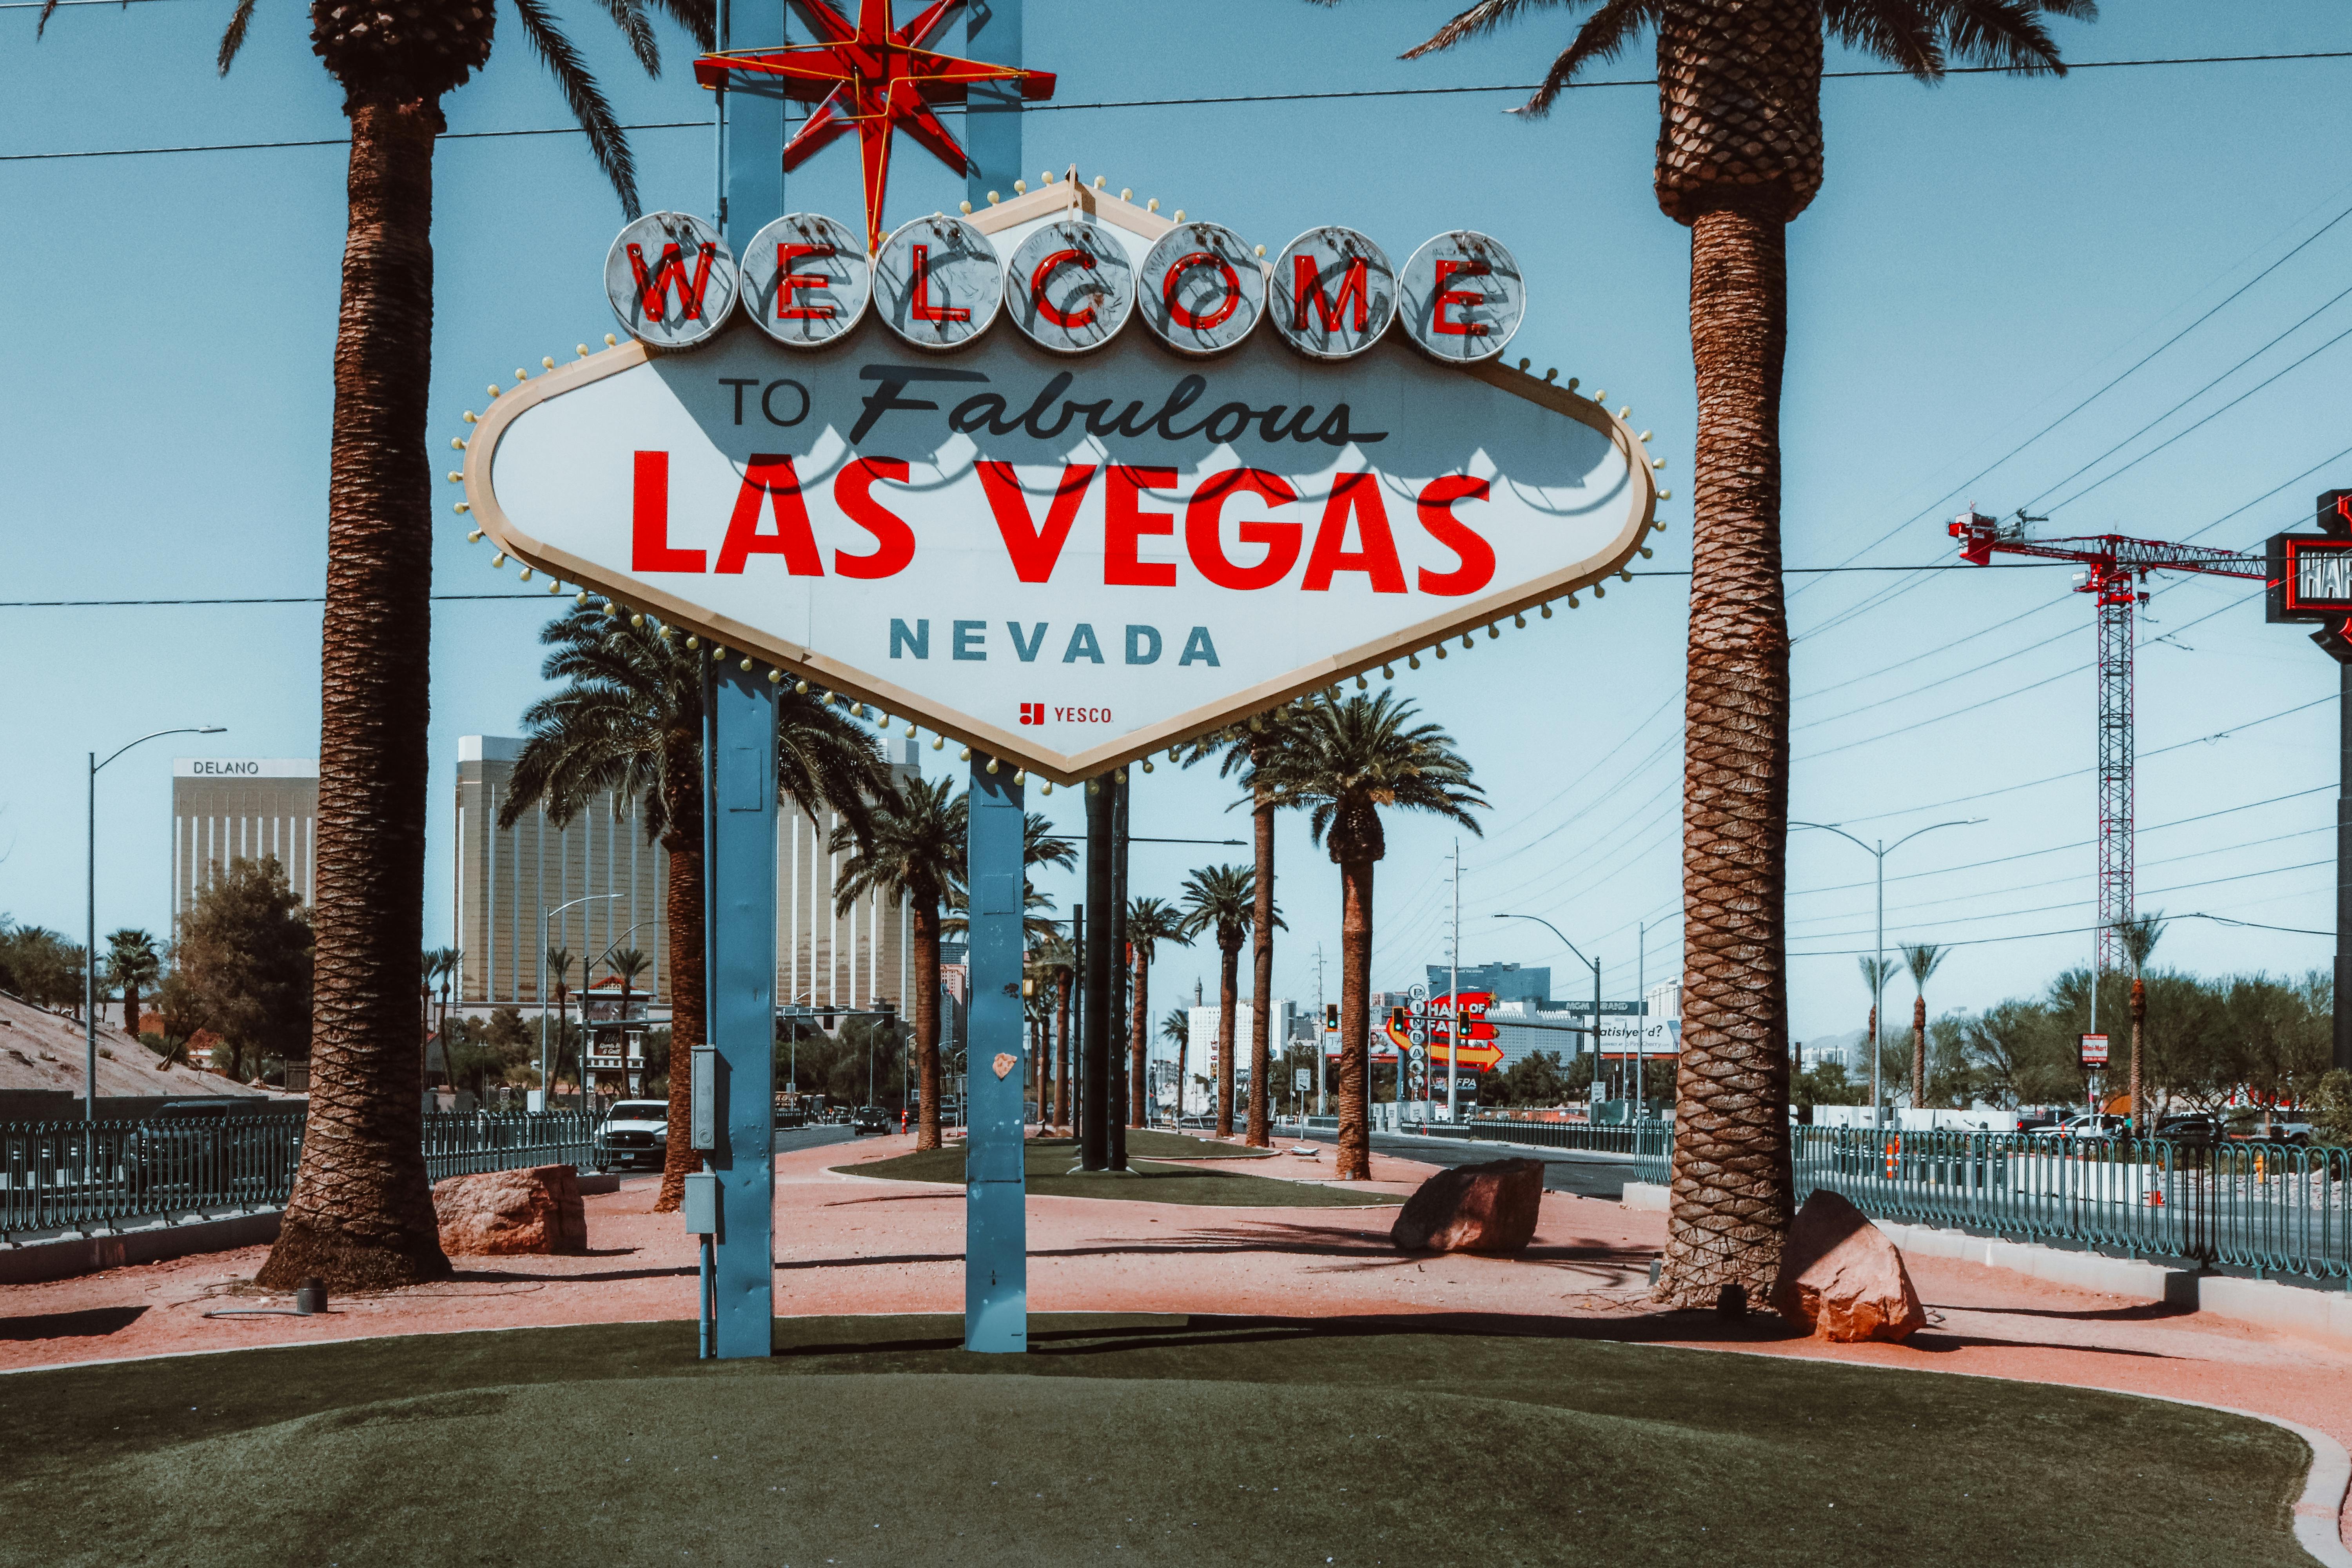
[2114, 570]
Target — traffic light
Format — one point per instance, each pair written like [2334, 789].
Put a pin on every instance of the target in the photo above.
[1396, 1020]
[1331, 1016]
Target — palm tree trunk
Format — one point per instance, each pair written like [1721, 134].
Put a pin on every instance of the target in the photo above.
[1136, 1043]
[1061, 1048]
[1729, 1211]
[360, 1215]
[131, 1010]
[925, 922]
[1355, 1158]
[2139, 1015]
[1919, 1049]
[1229, 968]
[1262, 976]
[682, 909]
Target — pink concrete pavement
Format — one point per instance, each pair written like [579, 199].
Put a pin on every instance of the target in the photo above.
[849, 1243]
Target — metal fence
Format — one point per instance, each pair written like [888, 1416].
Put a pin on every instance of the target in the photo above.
[59, 1175]
[2270, 1208]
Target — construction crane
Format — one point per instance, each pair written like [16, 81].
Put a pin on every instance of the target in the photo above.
[2114, 568]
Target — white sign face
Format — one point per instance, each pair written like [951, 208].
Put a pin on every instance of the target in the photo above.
[1069, 287]
[806, 280]
[1202, 291]
[1332, 293]
[938, 281]
[1461, 297]
[670, 279]
[1065, 562]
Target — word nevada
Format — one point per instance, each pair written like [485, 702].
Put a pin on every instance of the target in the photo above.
[1070, 285]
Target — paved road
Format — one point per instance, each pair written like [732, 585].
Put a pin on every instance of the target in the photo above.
[791, 1138]
[1564, 1171]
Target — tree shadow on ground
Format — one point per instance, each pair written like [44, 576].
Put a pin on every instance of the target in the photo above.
[91, 1322]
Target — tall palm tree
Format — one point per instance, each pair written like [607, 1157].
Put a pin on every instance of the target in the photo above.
[1739, 156]
[1876, 973]
[360, 1214]
[626, 724]
[1922, 959]
[1352, 757]
[440, 963]
[914, 850]
[1241, 750]
[2140, 935]
[559, 971]
[1223, 898]
[1176, 1028]
[131, 964]
[1149, 922]
[627, 963]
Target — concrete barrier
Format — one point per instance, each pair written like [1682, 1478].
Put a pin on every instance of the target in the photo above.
[62, 1259]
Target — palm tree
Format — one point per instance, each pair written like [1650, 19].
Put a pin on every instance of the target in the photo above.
[2139, 934]
[1223, 898]
[1739, 156]
[915, 851]
[1149, 922]
[1242, 750]
[131, 964]
[628, 963]
[627, 723]
[1876, 973]
[559, 969]
[360, 1214]
[1353, 756]
[1176, 1028]
[440, 963]
[1922, 959]
[1057, 965]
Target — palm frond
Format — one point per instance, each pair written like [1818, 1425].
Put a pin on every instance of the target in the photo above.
[629, 15]
[1897, 31]
[698, 17]
[2004, 33]
[606, 142]
[1606, 34]
[232, 39]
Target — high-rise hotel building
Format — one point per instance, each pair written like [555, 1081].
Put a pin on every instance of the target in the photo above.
[241, 808]
[507, 879]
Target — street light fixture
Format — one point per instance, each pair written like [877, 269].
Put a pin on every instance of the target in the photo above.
[89, 948]
[546, 1070]
[1592, 1091]
[1878, 955]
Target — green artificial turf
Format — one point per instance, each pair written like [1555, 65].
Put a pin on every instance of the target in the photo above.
[1051, 1170]
[1166, 1441]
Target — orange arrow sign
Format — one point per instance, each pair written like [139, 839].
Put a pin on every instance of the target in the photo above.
[1473, 1058]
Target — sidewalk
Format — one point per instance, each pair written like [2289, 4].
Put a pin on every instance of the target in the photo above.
[847, 1244]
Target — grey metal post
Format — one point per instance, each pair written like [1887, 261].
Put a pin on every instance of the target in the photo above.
[2344, 868]
[1454, 992]
[996, 1262]
[1592, 1104]
[1117, 1108]
[1878, 994]
[1094, 1141]
[1072, 1070]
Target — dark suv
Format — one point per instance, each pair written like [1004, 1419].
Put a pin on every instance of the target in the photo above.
[868, 1119]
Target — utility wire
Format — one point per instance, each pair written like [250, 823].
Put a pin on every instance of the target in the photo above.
[313, 599]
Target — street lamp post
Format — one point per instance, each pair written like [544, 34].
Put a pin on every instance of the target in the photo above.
[89, 948]
[1592, 1093]
[546, 1070]
[1878, 953]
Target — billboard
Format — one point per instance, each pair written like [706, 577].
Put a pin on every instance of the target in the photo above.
[1042, 481]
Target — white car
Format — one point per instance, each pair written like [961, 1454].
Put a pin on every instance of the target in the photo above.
[634, 1132]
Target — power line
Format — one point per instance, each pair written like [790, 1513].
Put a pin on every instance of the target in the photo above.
[1163, 103]
[2077, 903]
[313, 599]
[2071, 930]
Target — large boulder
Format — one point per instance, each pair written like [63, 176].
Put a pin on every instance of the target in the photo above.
[1842, 1278]
[502, 1213]
[1472, 1208]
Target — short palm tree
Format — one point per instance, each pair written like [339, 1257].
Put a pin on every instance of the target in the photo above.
[1223, 900]
[1353, 757]
[627, 723]
[1876, 973]
[558, 975]
[360, 1214]
[440, 963]
[1241, 750]
[2140, 935]
[1922, 959]
[1176, 1028]
[914, 850]
[1739, 156]
[628, 963]
[132, 966]
[1149, 922]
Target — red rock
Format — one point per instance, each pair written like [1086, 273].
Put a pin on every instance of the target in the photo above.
[499, 1212]
[1842, 1277]
[1472, 1208]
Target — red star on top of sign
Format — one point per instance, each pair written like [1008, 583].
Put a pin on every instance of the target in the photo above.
[875, 78]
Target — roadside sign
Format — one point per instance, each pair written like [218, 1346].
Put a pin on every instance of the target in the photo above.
[2095, 1050]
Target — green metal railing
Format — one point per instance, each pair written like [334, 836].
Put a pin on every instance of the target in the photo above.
[60, 1175]
[1647, 1145]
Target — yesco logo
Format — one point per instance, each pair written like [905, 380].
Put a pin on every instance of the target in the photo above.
[1035, 713]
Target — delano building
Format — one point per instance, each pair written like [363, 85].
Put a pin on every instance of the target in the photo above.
[241, 808]
[507, 877]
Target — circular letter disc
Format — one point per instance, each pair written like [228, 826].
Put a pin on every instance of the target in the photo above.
[1202, 291]
[806, 279]
[1069, 286]
[671, 279]
[937, 282]
[1332, 293]
[1461, 297]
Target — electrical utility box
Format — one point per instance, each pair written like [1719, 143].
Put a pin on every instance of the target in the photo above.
[701, 1206]
[703, 1089]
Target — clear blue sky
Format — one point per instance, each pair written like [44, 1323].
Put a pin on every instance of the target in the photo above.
[1984, 255]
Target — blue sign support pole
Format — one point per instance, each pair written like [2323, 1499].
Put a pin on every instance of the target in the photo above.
[739, 862]
[750, 126]
[992, 121]
[996, 1227]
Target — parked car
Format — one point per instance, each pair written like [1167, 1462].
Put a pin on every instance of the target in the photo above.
[868, 1119]
[2191, 1132]
[2087, 1126]
[634, 1132]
